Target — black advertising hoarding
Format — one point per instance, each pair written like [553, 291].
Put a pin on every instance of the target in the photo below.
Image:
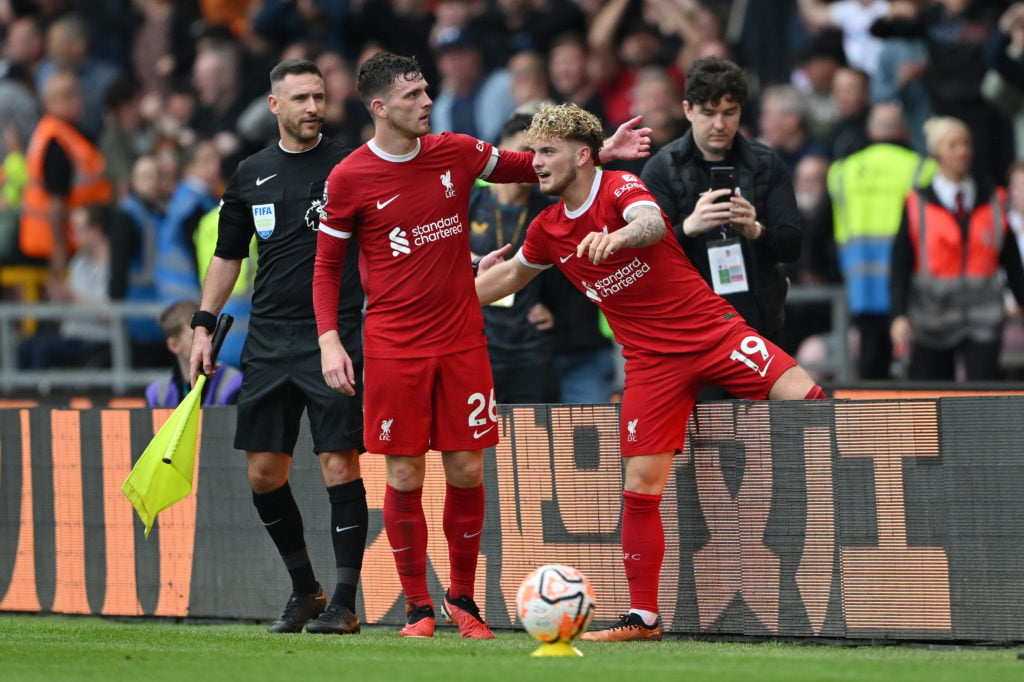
[881, 519]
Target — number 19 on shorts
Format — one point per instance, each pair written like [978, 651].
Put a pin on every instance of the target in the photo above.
[754, 354]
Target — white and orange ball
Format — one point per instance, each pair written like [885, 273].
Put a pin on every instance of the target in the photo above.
[555, 603]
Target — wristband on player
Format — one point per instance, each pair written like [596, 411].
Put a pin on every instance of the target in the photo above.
[476, 265]
[204, 319]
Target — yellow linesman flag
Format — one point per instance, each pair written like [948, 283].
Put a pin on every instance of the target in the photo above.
[163, 474]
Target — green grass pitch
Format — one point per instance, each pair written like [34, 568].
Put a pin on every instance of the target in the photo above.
[54, 648]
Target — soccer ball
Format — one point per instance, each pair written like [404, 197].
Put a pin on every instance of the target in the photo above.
[555, 603]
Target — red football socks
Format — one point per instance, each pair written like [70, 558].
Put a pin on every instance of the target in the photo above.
[406, 528]
[643, 548]
[463, 523]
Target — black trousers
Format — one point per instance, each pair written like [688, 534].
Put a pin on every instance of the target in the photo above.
[875, 346]
[981, 361]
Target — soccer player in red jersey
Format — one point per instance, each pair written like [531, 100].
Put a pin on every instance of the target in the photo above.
[607, 234]
[404, 197]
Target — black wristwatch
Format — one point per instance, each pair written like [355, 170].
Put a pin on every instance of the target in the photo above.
[476, 265]
[205, 319]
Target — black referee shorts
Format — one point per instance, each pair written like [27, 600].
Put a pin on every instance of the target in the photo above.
[281, 377]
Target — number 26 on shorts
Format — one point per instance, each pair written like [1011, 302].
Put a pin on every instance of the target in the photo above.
[480, 405]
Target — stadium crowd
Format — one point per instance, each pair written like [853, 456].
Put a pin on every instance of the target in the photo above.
[146, 107]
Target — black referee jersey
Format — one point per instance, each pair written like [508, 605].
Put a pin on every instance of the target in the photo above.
[278, 196]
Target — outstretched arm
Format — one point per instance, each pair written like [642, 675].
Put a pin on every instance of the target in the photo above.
[627, 143]
[499, 278]
[646, 226]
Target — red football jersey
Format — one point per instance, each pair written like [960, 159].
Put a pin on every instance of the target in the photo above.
[653, 297]
[409, 215]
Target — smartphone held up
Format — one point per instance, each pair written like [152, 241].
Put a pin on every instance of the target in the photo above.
[723, 177]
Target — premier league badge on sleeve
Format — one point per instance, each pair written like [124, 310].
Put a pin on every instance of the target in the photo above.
[264, 218]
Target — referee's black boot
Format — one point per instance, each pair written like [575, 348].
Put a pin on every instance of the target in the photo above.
[336, 620]
[301, 607]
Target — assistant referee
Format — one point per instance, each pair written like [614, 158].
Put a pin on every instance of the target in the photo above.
[277, 195]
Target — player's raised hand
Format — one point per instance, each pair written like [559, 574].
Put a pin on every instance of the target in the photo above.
[628, 142]
[336, 364]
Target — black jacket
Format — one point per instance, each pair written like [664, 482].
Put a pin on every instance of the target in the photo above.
[677, 176]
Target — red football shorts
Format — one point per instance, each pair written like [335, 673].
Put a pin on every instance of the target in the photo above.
[412, 405]
[661, 390]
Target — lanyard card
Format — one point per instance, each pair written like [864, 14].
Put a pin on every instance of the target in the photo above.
[728, 272]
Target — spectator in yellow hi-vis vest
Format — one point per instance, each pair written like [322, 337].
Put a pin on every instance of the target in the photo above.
[13, 178]
[868, 189]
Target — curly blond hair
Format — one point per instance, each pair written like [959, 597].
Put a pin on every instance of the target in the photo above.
[566, 122]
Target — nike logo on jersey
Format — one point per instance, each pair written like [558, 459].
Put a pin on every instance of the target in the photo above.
[268, 525]
[382, 204]
[339, 529]
[565, 258]
[478, 434]
[470, 536]
[766, 366]
[260, 181]
[400, 549]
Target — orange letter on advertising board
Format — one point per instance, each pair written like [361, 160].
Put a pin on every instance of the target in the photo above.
[892, 586]
[69, 532]
[21, 593]
[122, 595]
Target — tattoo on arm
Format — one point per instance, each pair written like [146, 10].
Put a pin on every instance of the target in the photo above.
[646, 226]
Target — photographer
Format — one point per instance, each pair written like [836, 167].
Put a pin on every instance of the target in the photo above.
[738, 235]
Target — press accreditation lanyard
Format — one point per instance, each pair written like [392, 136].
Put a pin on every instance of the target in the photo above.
[507, 301]
[728, 270]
